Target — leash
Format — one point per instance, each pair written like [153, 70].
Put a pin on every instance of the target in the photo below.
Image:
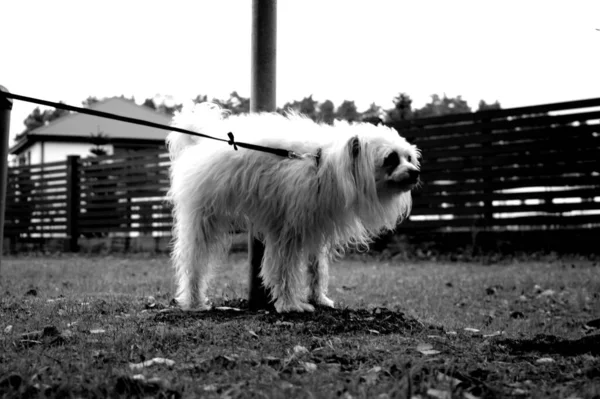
[231, 141]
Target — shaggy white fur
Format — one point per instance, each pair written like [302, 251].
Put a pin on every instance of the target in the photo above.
[352, 182]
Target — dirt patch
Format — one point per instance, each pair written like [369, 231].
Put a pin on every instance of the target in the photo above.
[324, 321]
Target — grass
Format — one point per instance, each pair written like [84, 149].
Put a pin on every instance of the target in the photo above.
[79, 326]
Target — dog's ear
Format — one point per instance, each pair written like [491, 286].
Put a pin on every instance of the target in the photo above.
[354, 147]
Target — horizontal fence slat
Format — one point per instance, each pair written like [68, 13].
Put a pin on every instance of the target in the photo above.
[124, 163]
[46, 165]
[536, 158]
[148, 190]
[161, 179]
[479, 138]
[460, 209]
[419, 199]
[542, 220]
[505, 124]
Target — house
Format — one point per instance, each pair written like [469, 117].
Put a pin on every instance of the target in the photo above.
[78, 134]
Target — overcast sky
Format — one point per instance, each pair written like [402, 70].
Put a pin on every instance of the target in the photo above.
[519, 52]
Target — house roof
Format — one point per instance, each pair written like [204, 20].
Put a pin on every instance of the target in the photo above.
[81, 128]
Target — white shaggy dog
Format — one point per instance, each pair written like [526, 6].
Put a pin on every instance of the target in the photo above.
[350, 183]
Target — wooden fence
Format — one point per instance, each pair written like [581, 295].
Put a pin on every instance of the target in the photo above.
[514, 169]
[523, 168]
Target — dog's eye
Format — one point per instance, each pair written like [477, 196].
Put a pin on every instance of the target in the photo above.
[391, 161]
[409, 159]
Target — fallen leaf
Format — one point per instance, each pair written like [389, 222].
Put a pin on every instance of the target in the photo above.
[300, 350]
[545, 360]
[439, 394]
[494, 334]
[255, 335]
[97, 331]
[151, 362]
[8, 329]
[228, 308]
[309, 366]
[427, 349]
[547, 293]
[473, 330]
[67, 334]
[373, 331]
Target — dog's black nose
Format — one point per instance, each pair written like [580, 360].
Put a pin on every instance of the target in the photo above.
[414, 174]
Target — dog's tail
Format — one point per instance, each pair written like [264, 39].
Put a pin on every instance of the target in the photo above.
[202, 118]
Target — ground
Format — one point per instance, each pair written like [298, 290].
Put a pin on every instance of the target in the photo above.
[97, 326]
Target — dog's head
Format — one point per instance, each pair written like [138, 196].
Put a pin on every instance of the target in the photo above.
[391, 160]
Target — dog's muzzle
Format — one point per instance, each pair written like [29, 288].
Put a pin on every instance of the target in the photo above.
[413, 176]
[406, 180]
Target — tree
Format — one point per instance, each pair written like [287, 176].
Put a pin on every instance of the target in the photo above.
[326, 112]
[91, 100]
[443, 106]
[166, 105]
[236, 104]
[347, 111]
[402, 108]
[99, 140]
[373, 114]
[200, 99]
[483, 106]
[149, 102]
[38, 118]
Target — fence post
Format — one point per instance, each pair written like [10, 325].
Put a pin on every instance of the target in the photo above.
[488, 217]
[5, 108]
[73, 203]
[262, 98]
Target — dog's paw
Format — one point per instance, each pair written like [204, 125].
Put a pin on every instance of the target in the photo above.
[282, 306]
[323, 300]
[195, 306]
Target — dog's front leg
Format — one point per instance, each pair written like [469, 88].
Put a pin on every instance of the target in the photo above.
[283, 274]
[318, 275]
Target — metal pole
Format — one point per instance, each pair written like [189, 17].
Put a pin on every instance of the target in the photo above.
[262, 98]
[5, 108]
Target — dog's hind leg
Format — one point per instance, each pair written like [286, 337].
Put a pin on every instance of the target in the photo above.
[195, 242]
[318, 279]
[283, 274]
